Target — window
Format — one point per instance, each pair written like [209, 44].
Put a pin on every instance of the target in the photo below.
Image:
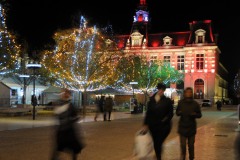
[200, 39]
[180, 62]
[200, 36]
[153, 58]
[14, 92]
[166, 59]
[167, 41]
[136, 39]
[136, 42]
[199, 61]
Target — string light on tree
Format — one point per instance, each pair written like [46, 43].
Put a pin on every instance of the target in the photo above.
[9, 50]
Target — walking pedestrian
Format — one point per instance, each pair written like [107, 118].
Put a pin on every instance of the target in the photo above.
[237, 147]
[158, 118]
[188, 109]
[219, 105]
[100, 107]
[67, 136]
[108, 108]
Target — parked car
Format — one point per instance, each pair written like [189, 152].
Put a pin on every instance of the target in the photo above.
[206, 103]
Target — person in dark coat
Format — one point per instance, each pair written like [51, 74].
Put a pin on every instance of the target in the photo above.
[67, 135]
[237, 147]
[100, 108]
[188, 109]
[219, 105]
[34, 100]
[108, 108]
[158, 118]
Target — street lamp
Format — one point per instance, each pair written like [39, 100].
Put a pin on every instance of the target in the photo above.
[34, 66]
[133, 83]
[24, 76]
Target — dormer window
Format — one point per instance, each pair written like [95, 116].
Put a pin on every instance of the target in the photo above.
[167, 41]
[136, 39]
[200, 36]
[108, 42]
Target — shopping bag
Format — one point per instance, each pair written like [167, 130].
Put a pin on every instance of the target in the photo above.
[143, 146]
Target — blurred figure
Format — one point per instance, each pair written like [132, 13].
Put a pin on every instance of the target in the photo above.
[219, 105]
[188, 110]
[108, 108]
[158, 119]
[237, 147]
[34, 100]
[100, 107]
[66, 138]
[135, 106]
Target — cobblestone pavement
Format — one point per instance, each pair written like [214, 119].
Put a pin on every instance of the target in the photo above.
[25, 139]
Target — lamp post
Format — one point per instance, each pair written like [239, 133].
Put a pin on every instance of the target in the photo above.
[24, 76]
[34, 66]
[133, 83]
[133, 107]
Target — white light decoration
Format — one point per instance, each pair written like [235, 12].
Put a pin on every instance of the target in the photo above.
[24, 76]
[34, 65]
[133, 83]
[9, 51]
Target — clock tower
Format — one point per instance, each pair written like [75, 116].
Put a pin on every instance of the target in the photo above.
[139, 31]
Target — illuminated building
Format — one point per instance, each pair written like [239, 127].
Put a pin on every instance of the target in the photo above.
[194, 52]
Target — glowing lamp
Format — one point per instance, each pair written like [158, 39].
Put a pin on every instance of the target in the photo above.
[205, 70]
[181, 42]
[212, 70]
[133, 83]
[192, 70]
[24, 76]
[155, 44]
[140, 18]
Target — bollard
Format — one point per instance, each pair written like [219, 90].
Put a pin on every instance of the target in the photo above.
[238, 115]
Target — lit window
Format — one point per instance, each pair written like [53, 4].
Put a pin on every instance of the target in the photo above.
[136, 39]
[166, 59]
[136, 42]
[153, 58]
[199, 61]
[180, 62]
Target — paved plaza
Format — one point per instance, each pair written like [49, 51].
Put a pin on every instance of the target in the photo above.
[24, 139]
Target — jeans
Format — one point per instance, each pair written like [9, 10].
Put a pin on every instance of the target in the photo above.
[183, 143]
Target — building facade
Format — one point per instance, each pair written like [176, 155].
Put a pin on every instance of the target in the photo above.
[194, 52]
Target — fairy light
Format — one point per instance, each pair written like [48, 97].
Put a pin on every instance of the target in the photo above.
[9, 50]
[81, 59]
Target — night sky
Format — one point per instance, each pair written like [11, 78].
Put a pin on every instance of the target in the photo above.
[37, 20]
